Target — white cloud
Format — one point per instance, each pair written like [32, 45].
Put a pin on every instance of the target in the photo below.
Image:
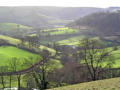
[73, 3]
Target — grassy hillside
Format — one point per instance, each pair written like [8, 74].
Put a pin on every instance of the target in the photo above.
[10, 39]
[13, 26]
[71, 41]
[7, 53]
[63, 36]
[52, 51]
[68, 36]
[116, 57]
[13, 29]
[59, 31]
[107, 84]
[15, 41]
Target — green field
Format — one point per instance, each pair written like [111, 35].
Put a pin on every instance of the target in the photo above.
[71, 41]
[10, 39]
[59, 31]
[15, 41]
[116, 57]
[52, 51]
[13, 27]
[63, 36]
[7, 53]
[107, 84]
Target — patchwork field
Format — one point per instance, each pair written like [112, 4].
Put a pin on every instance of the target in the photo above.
[63, 36]
[69, 41]
[107, 84]
[15, 41]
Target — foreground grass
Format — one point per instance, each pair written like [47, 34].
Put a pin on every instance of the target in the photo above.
[107, 84]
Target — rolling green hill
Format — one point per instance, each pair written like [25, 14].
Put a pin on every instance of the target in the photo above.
[58, 31]
[14, 29]
[107, 84]
[7, 53]
[63, 36]
[45, 16]
[71, 41]
[116, 58]
[42, 17]
[15, 41]
[10, 39]
[13, 26]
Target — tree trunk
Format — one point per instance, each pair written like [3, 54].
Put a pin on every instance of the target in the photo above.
[2, 81]
[36, 80]
[19, 78]
[10, 81]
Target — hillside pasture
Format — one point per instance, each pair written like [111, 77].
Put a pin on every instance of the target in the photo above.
[59, 31]
[13, 29]
[62, 35]
[116, 56]
[13, 26]
[71, 41]
[52, 51]
[107, 84]
[15, 41]
[7, 53]
[10, 39]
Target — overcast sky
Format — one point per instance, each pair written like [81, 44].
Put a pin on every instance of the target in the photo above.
[65, 3]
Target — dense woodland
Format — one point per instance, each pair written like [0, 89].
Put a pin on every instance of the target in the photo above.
[106, 23]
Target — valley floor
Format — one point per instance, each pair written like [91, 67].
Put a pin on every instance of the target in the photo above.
[107, 84]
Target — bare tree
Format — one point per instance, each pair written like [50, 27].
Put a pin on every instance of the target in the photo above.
[14, 65]
[33, 41]
[39, 74]
[10, 77]
[3, 69]
[95, 56]
[29, 80]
